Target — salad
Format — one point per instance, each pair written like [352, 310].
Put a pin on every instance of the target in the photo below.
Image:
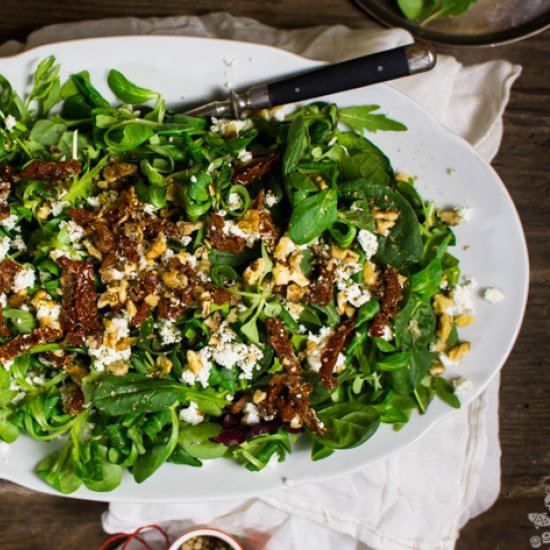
[177, 289]
[428, 10]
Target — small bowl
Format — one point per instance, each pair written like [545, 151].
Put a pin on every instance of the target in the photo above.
[206, 532]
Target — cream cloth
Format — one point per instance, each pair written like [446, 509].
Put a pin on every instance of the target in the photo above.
[419, 498]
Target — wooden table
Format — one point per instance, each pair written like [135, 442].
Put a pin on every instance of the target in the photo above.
[33, 520]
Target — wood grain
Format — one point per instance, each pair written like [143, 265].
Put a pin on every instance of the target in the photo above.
[28, 519]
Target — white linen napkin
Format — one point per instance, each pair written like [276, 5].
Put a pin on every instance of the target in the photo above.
[419, 498]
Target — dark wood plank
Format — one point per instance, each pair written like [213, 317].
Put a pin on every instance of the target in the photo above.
[28, 519]
[34, 520]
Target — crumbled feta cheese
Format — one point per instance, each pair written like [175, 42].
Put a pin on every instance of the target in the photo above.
[7, 364]
[368, 242]
[104, 356]
[230, 61]
[169, 333]
[251, 414]
[48, 310]
[231, 227]
[462, 301]
[150, 208]
[356, 296]
[3, 299]
[24, 279]
[314, 348]
[94, 202]
[462, 384]
[388, 334]
[340, 362]
[184, 241]
[75, 231]
[192, 414]
[56, 253]
[270, 199]
[228, 127]
[226, 352]
[35, 380]
[446, 361]
[58, 207]
[464, 213]
[493, 295]
[5, 243]
[235, 201]
[114, 274]
[244, 156]
[119, 326]
[9, 222]
[10, 122]
[18, 243]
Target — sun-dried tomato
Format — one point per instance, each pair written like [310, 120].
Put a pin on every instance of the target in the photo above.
[254, 169]
[287, 393]
[8, 177]
[266, 228]
[81, 216]
[278, 339]
[146, 284]
[102, 237]
[389, 292]
[220, 240]
[78, 308]
[8, 173]
[51, 171]
[321, 290]
[74, 401]
[8, 271]
[329, 354]
[24, 342]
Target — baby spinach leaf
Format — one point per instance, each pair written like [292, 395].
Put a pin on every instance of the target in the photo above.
[403, 245]
[296, 145]
[362, 118]
[134, 393]
[425, 283]
[108, 476]
[9, 432]
[127, 136]
[195, 440]
[415, 325]
[47, 132]
[126, 91]
[365, 166]
[312, 216]
[394, 361]
[445, 391]
[59, 470]
[23, 321]
[90, 94]
[347, 425]
[149, 462]
[416, 9]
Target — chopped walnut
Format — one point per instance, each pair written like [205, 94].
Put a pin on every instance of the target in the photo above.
[456, 353]
[254, 271]
[194, 361]
[384, 220]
